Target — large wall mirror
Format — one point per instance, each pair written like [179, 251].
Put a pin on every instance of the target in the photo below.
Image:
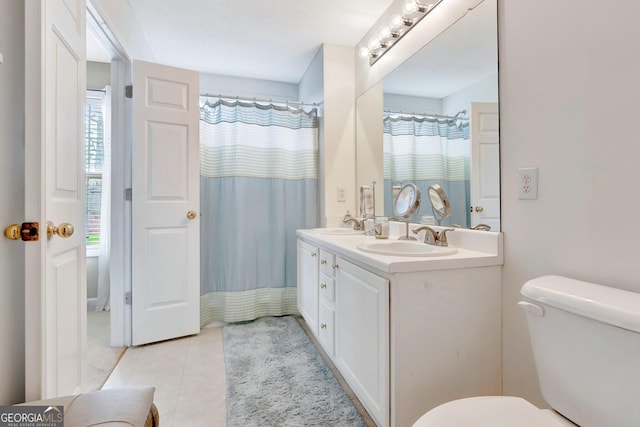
[434, 120]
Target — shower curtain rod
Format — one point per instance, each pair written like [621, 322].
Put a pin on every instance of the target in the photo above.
[239, 98]
[458, 116]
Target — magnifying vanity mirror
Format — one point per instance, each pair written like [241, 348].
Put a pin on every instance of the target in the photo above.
[407, 201]
[439, 203]
[445, 95]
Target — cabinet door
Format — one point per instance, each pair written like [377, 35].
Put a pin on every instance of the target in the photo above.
[362, 336]
[308, 284]
[326, 327]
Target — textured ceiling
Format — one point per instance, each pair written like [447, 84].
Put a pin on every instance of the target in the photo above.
[263, 39]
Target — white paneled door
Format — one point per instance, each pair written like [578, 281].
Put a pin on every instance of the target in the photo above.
[165, 203]
[55, 277]
[485, 165]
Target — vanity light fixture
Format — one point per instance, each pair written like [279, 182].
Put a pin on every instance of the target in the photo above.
[399, 25]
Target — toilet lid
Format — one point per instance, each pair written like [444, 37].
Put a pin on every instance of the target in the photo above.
[494, 411]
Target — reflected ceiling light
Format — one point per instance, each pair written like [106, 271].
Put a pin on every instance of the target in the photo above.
[399, 25]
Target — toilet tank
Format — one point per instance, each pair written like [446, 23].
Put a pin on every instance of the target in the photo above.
[586, 345]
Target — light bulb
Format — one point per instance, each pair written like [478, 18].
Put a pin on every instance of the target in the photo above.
[385, 33]
[364, 52]
[374, 43]
[409, 7]
[396, 22]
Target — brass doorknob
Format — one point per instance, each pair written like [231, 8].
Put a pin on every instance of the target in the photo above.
[13, 232]
[479, 209]
[63, 230]
[192, 214]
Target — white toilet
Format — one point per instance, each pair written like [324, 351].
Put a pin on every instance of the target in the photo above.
[586, 344]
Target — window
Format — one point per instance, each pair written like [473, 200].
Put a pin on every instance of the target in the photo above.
[94, 164]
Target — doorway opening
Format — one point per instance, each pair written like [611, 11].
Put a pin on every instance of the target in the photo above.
[107, 142]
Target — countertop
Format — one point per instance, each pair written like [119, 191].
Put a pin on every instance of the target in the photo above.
[474, 249]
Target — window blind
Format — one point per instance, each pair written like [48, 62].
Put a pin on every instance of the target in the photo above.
[94, 130]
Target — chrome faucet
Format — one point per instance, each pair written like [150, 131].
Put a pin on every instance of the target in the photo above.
[358, 224]
[432, 237]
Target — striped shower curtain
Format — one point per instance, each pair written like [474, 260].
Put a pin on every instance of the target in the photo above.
[259, 167]
[426, 151]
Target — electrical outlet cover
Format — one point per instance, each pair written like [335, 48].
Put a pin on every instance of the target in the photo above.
[528, 183]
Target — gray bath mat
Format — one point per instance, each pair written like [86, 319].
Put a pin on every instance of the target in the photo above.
[276, 377]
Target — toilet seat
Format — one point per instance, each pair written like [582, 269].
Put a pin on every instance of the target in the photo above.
[494, 411]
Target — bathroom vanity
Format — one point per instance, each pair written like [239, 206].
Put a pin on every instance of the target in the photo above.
[406, 332]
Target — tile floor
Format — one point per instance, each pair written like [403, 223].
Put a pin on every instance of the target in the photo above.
[101, 357]
[188, 374]
[189, 377]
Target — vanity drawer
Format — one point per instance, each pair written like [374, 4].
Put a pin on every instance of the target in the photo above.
[327, 262]
[326, 330]
[327, 288]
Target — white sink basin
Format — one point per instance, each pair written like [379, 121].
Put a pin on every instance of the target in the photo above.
[405, 248]
[338, 231]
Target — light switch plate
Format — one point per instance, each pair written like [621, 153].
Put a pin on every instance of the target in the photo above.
[528, 183]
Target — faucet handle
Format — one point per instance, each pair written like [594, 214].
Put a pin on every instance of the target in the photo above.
[442, 237]
[430, 237]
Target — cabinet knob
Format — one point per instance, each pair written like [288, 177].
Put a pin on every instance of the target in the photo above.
[323, 286]
[323, 326]
[323, 261]
[334, 266]
[313, 254]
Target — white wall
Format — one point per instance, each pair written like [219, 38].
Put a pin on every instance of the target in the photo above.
[412, 104]
[311, 89]
[123, 24]
[484, 91]
[12, 196]
[98, 75]
[247, 88]
[339, 132]
[369, 145]
[569, 94]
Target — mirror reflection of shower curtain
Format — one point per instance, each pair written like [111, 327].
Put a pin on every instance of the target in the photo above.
[427, 151]
[258, 172]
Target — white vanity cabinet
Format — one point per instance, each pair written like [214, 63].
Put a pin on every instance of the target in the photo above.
[307, 289]
[362, 336]
[407, 334]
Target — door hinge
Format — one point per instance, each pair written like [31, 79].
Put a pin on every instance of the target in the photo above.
[128, 91]
[128, 194]
[127, 298]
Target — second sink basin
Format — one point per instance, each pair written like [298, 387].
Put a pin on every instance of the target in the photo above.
[338, 231]
[405, 248]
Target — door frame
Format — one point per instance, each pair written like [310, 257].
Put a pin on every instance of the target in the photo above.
[121, 113]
